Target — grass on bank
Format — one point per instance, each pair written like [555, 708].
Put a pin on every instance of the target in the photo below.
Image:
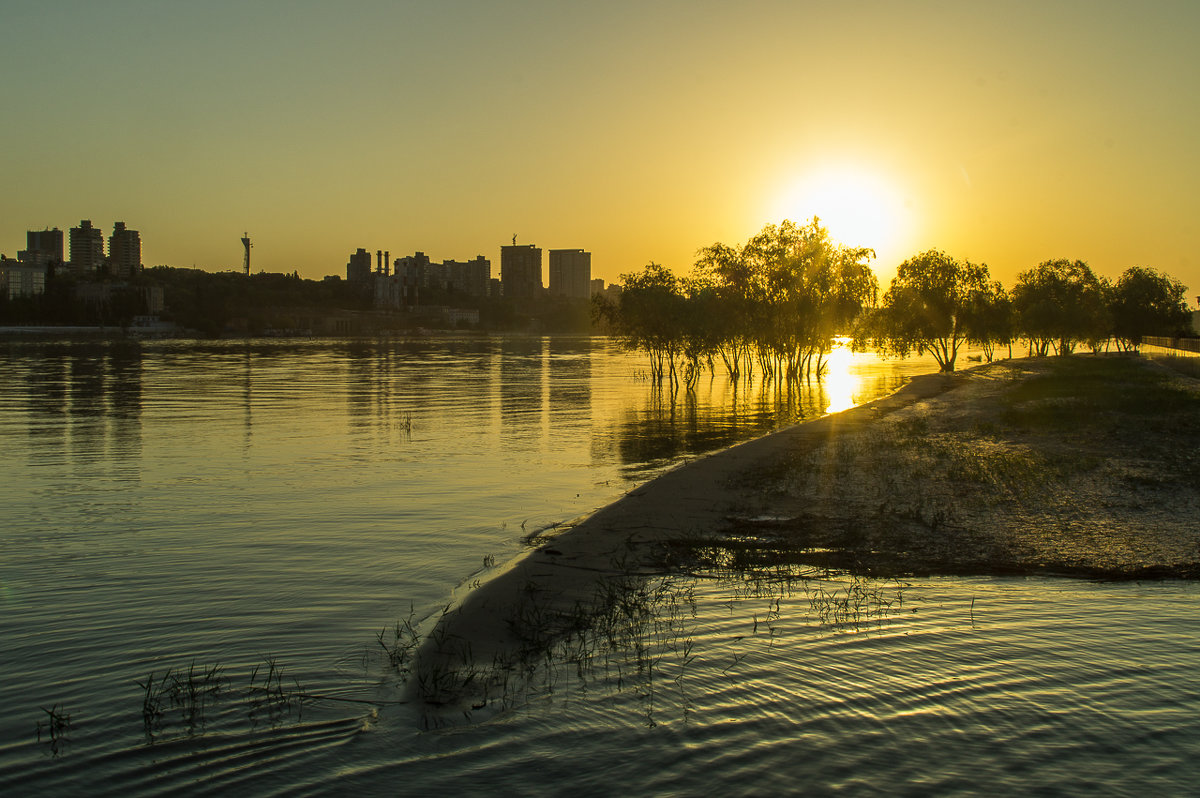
[1082, 465]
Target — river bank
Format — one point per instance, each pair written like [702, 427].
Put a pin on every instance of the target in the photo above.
[1085, 466]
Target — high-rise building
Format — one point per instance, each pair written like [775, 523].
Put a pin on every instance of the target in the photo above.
[124, 251]
[471, 276]
[358, 270]
[570, 273]
[521, 270]
[42, 247]
[418, 270]
[21, 278]
[87, 247]
[409, 275]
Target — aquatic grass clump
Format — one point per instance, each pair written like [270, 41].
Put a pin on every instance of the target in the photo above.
[56, 727]
[402, 644]
[637, 639]
[192, 692]
[268, 696]
[856, 603]
[197, 691]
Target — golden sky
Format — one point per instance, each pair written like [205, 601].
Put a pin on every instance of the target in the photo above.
[1004, 132]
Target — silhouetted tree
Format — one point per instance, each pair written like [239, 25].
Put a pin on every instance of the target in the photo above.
[991, 321]
[1060, 303]
[929, 307]
[785, 295]
[740, 299]
[649, 315]
[1146, 302]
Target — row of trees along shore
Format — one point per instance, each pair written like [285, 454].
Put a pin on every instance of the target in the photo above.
[778, 302]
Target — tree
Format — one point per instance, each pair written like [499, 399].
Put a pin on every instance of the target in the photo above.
[1146, 302]
[991, 320]
[649, 315]
[739, 298]
[928, 307]
[1060, 303]
[790, 290]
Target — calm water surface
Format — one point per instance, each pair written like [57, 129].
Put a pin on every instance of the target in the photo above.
[267, 508]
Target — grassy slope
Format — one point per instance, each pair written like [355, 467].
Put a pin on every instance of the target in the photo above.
[1086, 465]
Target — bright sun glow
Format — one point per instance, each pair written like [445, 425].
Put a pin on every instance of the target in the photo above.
[858, 209]
[839, 384]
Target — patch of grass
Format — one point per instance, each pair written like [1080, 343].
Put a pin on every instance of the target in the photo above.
[402, 643]
[191, 692]
[1187, 366]
[1082, 391]
[269, 696]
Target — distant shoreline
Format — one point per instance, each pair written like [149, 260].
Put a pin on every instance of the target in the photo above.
[56, 333]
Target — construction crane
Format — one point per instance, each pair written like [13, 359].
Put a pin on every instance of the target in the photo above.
[246, 244]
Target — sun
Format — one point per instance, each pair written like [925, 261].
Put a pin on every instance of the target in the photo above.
[858, 208]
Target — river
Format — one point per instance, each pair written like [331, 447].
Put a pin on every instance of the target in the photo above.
[207, 546]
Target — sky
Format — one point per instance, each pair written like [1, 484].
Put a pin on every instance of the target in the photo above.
[1007, 133]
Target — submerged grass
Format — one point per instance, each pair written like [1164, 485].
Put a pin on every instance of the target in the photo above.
[196, 692]
[55, 728]
[639, 639]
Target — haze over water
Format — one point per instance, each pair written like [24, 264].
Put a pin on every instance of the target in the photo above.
[238, 502]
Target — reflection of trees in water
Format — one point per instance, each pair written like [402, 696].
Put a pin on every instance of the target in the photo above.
[718, 414]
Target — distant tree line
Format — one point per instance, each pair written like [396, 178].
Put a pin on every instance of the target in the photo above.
[778, 302]
[937, 303]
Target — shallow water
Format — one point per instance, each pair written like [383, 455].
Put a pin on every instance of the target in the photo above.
[236, 504]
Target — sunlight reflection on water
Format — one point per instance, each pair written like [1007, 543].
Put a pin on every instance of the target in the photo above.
[840, 382]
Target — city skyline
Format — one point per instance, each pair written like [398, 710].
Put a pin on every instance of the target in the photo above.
[1009, 134]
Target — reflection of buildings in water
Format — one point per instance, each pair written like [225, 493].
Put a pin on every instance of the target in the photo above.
[569, 377]
[87, 427]
[393, 385]
[124, 373]
[84, 404]
[247, 399]
[368, 378]
[524, 389]
[46, 400]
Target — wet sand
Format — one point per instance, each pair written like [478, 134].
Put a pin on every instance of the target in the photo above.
[989, 470]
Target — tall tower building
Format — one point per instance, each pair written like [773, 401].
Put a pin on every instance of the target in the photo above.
[124, 251]
[570, 273]
[358, 270]
[521, 270]
[42, 247]
[87, 247]
[471, 277]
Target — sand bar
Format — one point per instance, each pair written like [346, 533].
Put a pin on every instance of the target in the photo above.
[990, 470]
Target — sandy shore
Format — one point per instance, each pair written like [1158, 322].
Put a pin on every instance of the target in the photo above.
[992, 470]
